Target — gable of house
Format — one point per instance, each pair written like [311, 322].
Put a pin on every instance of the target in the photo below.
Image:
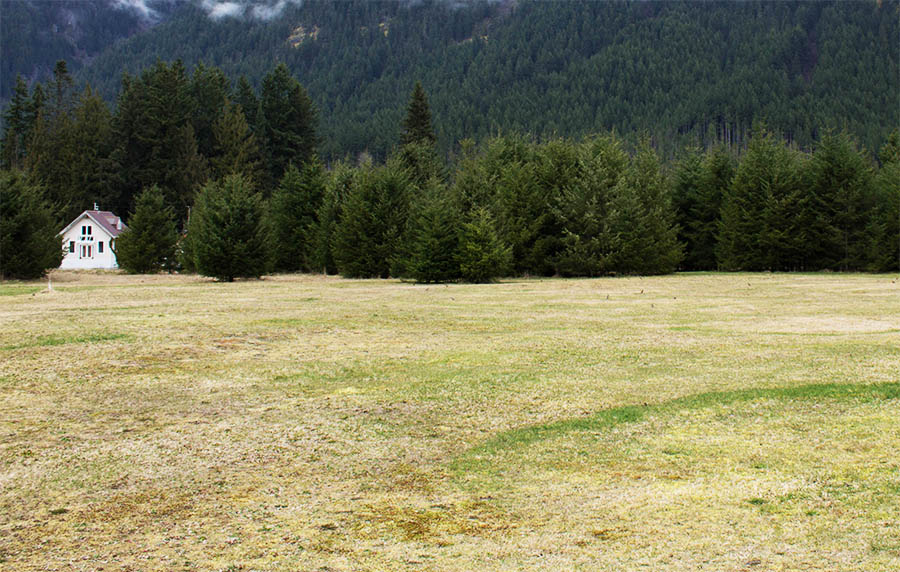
[89, 240]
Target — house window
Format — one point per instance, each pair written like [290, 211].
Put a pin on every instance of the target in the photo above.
[72, 246]
[100, 247]
[86, 251]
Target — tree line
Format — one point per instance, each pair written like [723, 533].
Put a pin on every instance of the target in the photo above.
[226, 181]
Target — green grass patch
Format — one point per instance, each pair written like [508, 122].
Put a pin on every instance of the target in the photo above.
[53, 340]
[478, 458]
[13, 289]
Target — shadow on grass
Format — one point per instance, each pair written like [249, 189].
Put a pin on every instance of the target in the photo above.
[474, 458]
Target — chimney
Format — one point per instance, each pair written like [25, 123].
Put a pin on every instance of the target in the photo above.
[96, 208]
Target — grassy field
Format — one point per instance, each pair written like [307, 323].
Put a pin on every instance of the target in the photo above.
[689, 422]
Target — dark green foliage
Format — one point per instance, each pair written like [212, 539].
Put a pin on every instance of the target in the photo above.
[246, 98]
[584, 209]
[29, 243]
[642, 220]
[16, 127]
[689, 73]
[373, 218]
[71, 154]
[155, 138]
[227, 231]
[762, 225]
[148, 244]
[839, 182]
[287, 122]
[884, 225]
[417, 126]
[236, 150]
[294, 210]
[208, 89]
[338, 186]
[701, 182]
[482, 256]
[432, 237]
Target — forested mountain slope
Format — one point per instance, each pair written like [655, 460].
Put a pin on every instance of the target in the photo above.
[682, 71]
[35, 34]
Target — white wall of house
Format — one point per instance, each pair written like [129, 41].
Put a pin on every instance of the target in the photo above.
[87, 245]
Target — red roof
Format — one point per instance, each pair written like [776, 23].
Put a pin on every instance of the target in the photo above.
[109, 222]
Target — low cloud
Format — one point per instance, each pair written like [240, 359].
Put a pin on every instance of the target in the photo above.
[256, 9]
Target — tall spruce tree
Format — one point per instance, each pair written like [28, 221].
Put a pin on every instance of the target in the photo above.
[840, 181]
[287, 122]
[339, 183]
[227, 231]
[148, 244]
[417, 126]
[482, 256]
[294, 209]
[236, 150]
[373, 218]
[29, 244]
[16, 127]
[432, 237]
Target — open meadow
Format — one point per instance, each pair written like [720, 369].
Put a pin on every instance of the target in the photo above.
[686, 422]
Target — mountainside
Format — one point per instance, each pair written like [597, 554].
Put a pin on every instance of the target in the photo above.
[682, 72]
[35, 34]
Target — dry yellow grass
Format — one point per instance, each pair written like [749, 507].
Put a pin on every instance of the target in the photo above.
[302, 422]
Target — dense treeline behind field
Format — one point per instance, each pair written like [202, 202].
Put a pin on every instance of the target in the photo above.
[687, 73]
[238, 170]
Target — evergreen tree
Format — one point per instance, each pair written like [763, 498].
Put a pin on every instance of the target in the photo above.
[227, 231]
[338, 185]
[155, 139]
[763, 225]
[208, 89]
[246, 98]
[642, 219]
[373, 218]
[700, 184]
[293, 211]
[583, 209]
[432, 237]
[29, 243]
[482, 257]
[840, 181]
[148, 244]
[884, 224]
[288, 122]
[16, 126]
[236, 150]
[417, 126]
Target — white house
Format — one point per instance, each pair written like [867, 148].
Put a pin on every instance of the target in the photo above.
[90, 240]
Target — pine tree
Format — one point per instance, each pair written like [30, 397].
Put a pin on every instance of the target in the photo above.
[293, 211]
[642, 219]
[227, 231]
[432, 237]
[236, 150]
[417, 126]
[287, 122]
[482, 257]
[246, 98]
[29, 244]
[762, 225]
[148, 244]
[339, 183]
[840, 181]
[583, 209]
[373, 218]
[15, 127]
